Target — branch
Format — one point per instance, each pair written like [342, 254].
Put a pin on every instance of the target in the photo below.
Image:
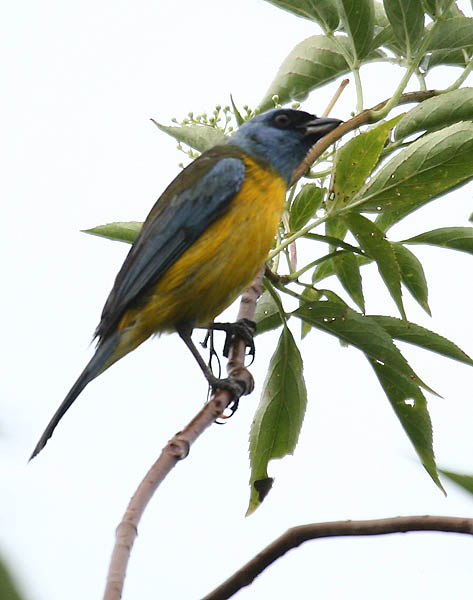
[177, 449]
[298, 535]
[362, 118]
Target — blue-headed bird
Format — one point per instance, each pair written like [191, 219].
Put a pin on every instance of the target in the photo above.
[203, 242]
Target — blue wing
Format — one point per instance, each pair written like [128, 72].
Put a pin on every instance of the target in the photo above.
[194, 200]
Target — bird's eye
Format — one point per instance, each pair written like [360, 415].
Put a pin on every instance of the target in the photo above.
[282, 121]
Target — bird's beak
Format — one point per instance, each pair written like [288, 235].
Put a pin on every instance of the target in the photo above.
[321, 126]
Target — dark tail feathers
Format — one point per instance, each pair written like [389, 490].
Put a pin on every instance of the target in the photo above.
[96, 365]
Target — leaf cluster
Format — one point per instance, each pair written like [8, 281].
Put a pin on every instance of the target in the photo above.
[345, 212]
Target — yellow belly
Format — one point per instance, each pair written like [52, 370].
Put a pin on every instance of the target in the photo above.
[218, 267]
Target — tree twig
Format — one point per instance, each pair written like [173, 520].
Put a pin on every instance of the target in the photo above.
[298, 535]
[362, 118]
[177, 449]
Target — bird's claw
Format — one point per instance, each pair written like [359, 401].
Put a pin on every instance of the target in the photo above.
[243, 329]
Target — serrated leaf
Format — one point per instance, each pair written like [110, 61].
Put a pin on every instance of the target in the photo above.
[407, 20]
[355, 161]
[456, 238]
[125, 231]
[465, 481]
[410, 406]
[427, 169]
[325, 269]
[357, 18]
[372, 241]
[451, 34]
[278, 419]
[304, 205]
[199, 137]
[359, 331]
[437, 112]
[311, 64]
[267, 313]
[422, 337]
[347, 270]
[412, 275]
[323, 12]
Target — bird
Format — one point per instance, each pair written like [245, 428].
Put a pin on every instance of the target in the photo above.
[203, 242]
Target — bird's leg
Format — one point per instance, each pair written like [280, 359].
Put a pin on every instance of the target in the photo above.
[209, 341]
[236, 387]
[243, 329]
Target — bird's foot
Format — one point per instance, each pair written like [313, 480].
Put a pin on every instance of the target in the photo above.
[243, 329]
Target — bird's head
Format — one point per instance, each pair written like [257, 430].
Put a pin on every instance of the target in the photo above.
[282, 137]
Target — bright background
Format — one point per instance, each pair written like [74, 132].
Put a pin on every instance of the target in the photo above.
[80, 83]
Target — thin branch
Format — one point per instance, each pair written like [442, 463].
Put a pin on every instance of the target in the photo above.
[298, 535]
[362, 118]
[336, 96]
[177, 449]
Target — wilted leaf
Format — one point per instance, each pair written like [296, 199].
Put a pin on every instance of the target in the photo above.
[456, 238]
[125, 231]
[323, 12]
[428, 168]
[437, 112]
[199, 137]
[278, 419]
[412, 274]
[304, 205]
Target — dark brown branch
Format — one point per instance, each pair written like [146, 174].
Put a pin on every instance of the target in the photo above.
[177, 449]
[363, 118]
[298, 535]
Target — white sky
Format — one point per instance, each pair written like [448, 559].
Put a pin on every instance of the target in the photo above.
[80, 82]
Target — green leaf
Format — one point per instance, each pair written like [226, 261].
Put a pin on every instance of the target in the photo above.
[407, 20]
[451, 34]
[357, 17]
[311, 64]
[304, 205]
[347, 270]
[465, 481]
[278, 419]
[325, 269]
[422, 337]
[267, 313]
[428, 168]
[412, 275]
[125, 231]
[308, 295]
[372, 241]
[238, 118]
[456, 238]
[435, 8]
[437, 112]
[384, 35]
[355, 161]
[433, 59]
[323, 12]
[359, 331]
[410, 406]
[199, 137]
[8, 589]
